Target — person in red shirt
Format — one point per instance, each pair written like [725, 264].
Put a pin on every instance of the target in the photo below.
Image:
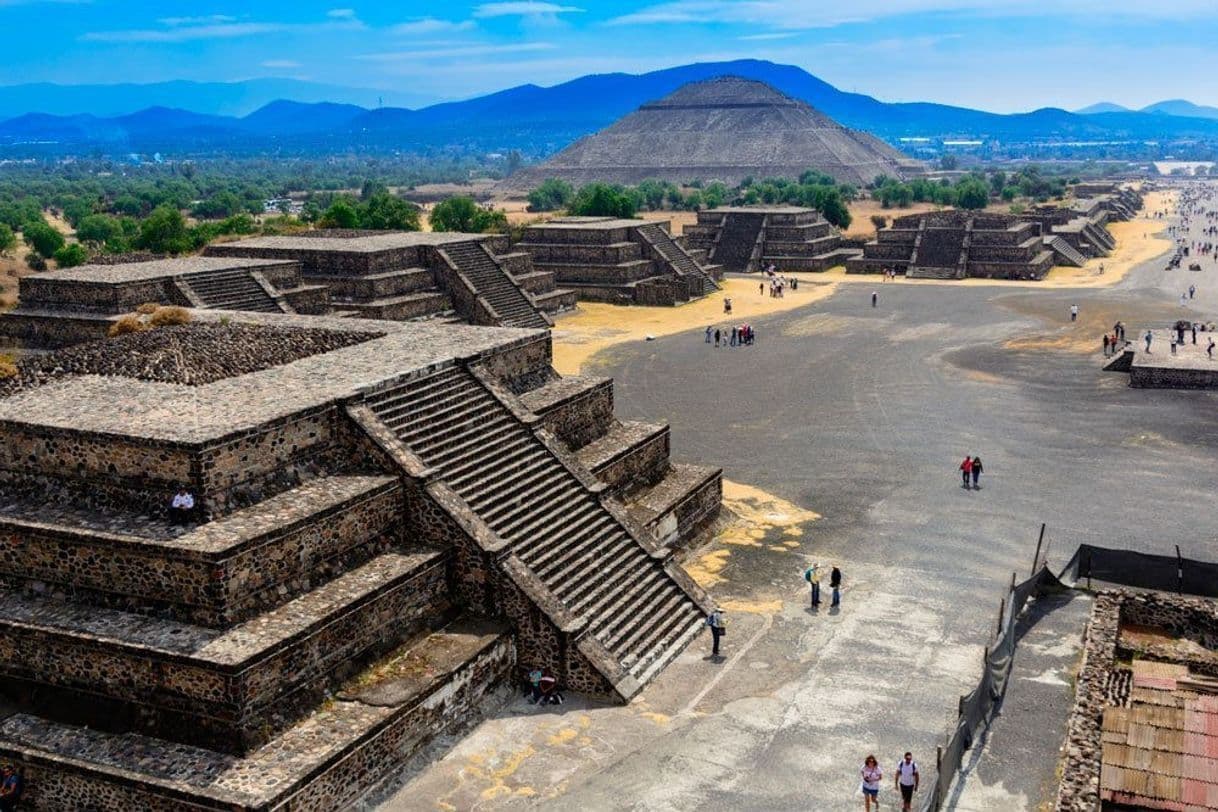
[966, 469]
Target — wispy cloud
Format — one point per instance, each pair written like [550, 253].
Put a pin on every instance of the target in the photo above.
[286, 64]
[186, 30]
[771, 36]
[523, 8]
[341, 13]
[207, 19]
[455, 52]
[787, 14]
[430, 25]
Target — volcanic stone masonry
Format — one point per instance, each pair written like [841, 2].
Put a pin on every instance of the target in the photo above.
[746, 239]
[392, 521]
[622, 261]
[382, 275]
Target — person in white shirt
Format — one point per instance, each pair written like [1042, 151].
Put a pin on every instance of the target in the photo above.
[182, 509]
[907, 780]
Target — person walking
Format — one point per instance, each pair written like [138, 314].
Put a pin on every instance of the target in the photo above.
[717, 335]
[835, 583]
[812, 576]
[1105, 345]
[717, 627]
[875, 298]
[871, 776]
[1073, 312]
[976, 469]
[1194, 332]
[1149, 337]
[907, 779]
[1192, 291]
[709, 332]
[966, 469]
[1210, 350]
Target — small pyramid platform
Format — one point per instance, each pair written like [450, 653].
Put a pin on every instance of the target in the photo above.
[723, 129]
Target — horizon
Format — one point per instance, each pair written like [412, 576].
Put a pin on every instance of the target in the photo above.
[896, 51]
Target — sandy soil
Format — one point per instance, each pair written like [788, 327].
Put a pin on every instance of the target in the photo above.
[594, 327]
[861, 211]
[678, 219]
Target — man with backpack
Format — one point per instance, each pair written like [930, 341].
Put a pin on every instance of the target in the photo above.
[812, 576]
[717, 627]
[907, 780]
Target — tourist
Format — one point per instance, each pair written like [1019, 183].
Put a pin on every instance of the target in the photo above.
[727, 305]
[761, 288]
[875, 298]
[547, 689]
[1173, 346]
[182, 508]
[11, 786]
[534, 684]
[1149, 337]
[717, 335]
[1121, 330]
[733, 340]
[871, 776]
[709, 333]
[976, 470]
[1105, 345]
[1073, 312]
[812, 576]
[1183, 300]
[907, 780]
[835, 583]
[717, 627]
[1194, 332]
[1210, 350]
[966, 469]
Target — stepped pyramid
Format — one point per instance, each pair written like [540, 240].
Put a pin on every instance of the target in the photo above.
[721, 129]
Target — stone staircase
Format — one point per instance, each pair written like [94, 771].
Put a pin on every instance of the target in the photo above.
[681, 263]
[511, 303]
[233, 289]
[592, 565]
[1065, 253]
[735, 246]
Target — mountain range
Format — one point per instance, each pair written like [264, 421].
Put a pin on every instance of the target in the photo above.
[542, 120]
[1171, 107]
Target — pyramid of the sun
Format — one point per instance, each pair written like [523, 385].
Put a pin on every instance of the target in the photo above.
[724, 129]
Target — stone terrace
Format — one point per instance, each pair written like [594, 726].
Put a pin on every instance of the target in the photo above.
[395, 514]
[621, 261]
[67, 306]
[414, 275]
[746, 239]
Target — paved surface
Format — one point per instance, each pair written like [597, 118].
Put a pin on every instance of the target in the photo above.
[863, 414]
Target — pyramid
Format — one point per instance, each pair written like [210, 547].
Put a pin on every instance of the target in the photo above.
[723, 129]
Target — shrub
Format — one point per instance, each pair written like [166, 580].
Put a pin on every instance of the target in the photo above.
[42, 238]
[71, 255]
[550, 195]
[147, 308]
[8, 366]
[35, 261]
[127, 324]
[879, 221]
[169, 315]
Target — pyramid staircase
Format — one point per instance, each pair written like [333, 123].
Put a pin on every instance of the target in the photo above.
[1064, 252]
[629, 610]
[678, 260]
[513, 306]
[735, 247]
[235, 289]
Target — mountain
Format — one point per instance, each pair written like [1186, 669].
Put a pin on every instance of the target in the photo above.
[537, 120]
[1180, 107]
[1103, 107]
[215, 98]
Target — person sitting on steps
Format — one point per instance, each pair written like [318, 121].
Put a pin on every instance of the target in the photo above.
[182, 509]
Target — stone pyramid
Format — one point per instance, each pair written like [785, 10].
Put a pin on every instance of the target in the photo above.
[722, 129]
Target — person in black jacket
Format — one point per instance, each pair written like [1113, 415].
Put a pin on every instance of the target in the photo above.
[835, 583]
[976, 472]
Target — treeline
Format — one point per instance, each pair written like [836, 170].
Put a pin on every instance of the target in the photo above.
[972, 191]
[813, 190]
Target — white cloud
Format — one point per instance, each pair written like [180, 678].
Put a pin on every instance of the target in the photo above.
[787, 14]
[770, 36]
[456, 51]
[202, 20]
[186, 31]
[430, 25]
[341, 13]
[523, 8]
[287, 64]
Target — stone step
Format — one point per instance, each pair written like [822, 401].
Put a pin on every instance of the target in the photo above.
[577, 409]
[403, 307]
[327, 761]
[629, 456]
[366, 287]
[209, 574]
[681, 505]
[557, 300]
[226, 689]
[645, 669]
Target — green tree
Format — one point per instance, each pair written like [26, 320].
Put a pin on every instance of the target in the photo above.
[464, 214]
[8, 240]
[164, 231]
[71, 255]
[603, 200]
[98, 228]
[514, 161]
[384, 211]
[550, 195]
[972, 193]
[341, 214]
[714, 195]
[44, 239]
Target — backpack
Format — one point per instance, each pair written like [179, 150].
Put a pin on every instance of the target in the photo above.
[808, 575]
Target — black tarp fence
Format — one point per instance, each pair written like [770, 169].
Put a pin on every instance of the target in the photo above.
[1165, 573]
[978, 705]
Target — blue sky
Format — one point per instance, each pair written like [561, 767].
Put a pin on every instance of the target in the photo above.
[1002, 55]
